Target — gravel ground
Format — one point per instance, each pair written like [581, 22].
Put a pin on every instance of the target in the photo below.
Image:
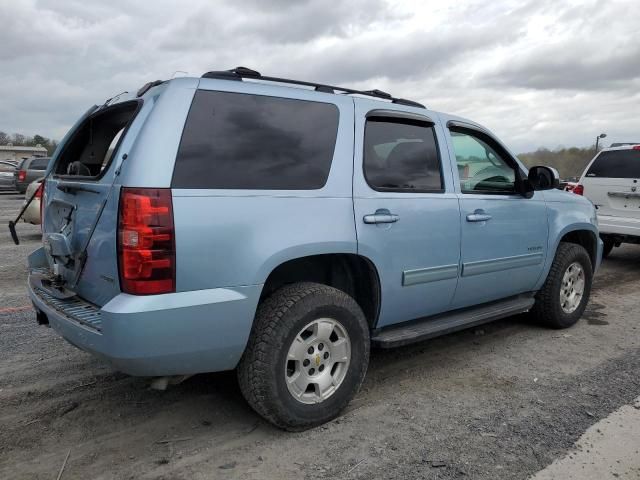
[499, 402]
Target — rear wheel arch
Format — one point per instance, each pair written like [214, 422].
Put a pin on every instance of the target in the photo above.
[356, 275]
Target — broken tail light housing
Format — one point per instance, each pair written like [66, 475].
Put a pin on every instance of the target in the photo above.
[578, 189]
[146, 241]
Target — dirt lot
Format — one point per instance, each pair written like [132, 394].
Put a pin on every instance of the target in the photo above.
[498, 402]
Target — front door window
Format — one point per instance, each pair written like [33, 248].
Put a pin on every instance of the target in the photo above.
[480, 168]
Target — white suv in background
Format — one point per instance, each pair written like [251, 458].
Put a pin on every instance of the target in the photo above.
[612, 182]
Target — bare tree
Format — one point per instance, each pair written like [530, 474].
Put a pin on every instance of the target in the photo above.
[18, 139]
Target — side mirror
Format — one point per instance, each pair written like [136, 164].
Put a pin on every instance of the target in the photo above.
[543, 178]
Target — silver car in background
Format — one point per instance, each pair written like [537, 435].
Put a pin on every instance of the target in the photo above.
[32, 213]
[7, 173]
[29, 170]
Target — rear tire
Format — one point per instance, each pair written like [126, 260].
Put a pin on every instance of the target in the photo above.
[304, 333]
[565, 293]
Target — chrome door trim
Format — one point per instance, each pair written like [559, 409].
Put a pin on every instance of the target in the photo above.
[499, 264]
[431, 274]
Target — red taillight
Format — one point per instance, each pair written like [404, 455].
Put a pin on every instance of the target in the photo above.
[22, 174]
[578, 189]
[636, 147]
[146, 246]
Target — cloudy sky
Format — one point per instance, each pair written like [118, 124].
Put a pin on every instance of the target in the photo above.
[536, 72]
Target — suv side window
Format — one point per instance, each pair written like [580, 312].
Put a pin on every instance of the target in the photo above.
[401, 155]
[245, 141]
[481, 168]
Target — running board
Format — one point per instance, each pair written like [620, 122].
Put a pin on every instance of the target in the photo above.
[431, 327]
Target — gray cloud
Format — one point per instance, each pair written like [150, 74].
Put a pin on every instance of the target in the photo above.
[274, 23]
[536, 72]
[553, 70]
[592, 45]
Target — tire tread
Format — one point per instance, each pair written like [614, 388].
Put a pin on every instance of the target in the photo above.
[254, 369]
[546, 307]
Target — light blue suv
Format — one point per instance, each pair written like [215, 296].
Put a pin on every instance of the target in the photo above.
[282, 228]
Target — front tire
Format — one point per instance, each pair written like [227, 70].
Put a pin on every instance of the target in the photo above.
[565, 293]
[307, 356]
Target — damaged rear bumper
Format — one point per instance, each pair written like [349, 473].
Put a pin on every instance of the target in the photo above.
[172, 334]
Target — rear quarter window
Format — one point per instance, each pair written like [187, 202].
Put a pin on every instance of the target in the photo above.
[616, 164]
[243, 141]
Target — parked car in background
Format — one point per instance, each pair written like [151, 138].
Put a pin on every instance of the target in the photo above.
[612, 182]
[569, 186]
[7, 175]
[32, 213]
[29, 170]
[253, 223]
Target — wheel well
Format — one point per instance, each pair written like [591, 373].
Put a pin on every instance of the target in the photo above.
[353, 274]
[586, 239]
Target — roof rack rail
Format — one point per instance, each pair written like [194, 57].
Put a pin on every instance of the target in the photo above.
[239, 73]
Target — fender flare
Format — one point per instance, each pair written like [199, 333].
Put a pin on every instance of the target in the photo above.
[556, 239]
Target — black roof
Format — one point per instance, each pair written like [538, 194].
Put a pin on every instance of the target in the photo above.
[240, 73]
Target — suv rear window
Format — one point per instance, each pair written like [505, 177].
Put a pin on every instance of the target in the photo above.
[616, 164]
[243, 141]
[91, 148]
[39, 164]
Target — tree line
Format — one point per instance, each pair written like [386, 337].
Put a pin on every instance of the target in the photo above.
[20, 140]
[570, 162]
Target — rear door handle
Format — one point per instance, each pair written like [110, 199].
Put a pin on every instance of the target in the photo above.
[478, 216]
[382, 215]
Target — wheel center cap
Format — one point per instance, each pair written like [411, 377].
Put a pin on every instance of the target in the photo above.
[318, 360]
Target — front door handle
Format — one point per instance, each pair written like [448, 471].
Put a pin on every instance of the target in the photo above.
[382, 215]
[478, 216]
